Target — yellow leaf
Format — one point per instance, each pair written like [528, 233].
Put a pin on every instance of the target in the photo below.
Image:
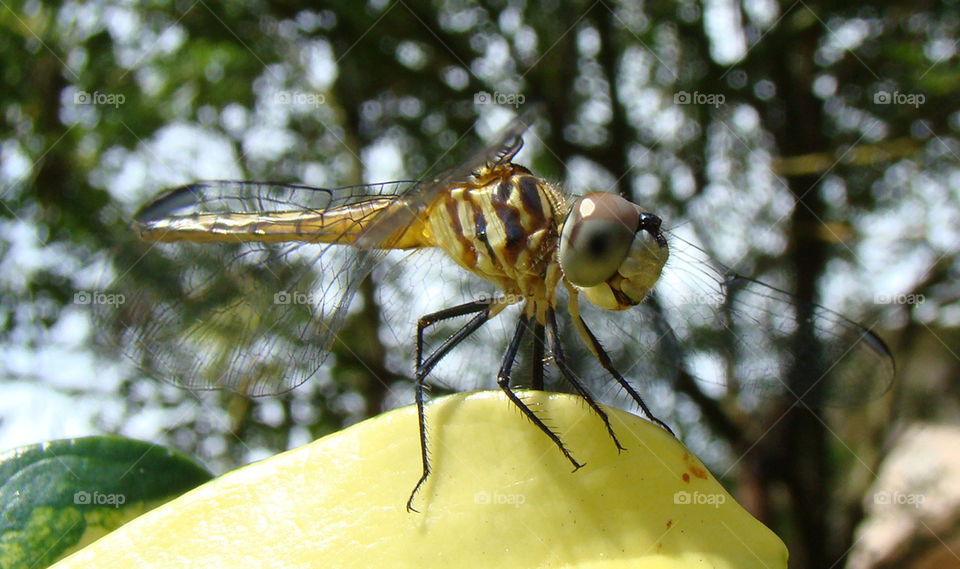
[501, 495]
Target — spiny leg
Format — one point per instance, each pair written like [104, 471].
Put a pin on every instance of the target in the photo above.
[503, 380]
[587, 335]
[482, 311]
[558, 357]
[539, 342]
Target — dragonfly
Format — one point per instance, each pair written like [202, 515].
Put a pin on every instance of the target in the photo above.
[570, 264]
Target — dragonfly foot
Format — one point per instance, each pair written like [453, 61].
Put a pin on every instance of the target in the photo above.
[413, 494]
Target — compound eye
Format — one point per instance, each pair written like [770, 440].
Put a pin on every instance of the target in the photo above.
[596, 237]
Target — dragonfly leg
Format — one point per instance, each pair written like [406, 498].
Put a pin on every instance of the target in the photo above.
[482, 311]
[539, 343]
[561, 360]
[607, 364]
[503, 380]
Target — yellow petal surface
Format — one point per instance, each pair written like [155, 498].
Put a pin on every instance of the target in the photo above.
[501, 495]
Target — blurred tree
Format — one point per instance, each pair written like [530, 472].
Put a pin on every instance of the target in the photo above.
[813, 145]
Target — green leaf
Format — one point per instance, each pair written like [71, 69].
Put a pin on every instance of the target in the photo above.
[58, 496]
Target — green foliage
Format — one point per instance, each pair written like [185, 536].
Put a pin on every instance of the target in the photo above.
[58, 496]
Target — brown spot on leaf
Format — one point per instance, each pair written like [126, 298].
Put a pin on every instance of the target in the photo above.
[695, 469]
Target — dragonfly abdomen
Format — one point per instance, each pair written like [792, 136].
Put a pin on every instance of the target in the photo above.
[340, 225]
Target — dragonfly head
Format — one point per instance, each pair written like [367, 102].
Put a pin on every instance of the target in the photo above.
[611, 250]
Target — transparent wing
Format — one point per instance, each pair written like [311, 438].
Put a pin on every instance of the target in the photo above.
[231, 196]
[254, 317]
[740, 338]
[251, 315]
[412, 205]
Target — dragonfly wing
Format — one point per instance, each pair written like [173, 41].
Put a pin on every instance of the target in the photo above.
[253, 317]
[739, 337]
[247, 313]
[771, 343]
[415, 201]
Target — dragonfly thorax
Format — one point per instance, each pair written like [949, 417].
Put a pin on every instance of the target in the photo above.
[504, 227]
